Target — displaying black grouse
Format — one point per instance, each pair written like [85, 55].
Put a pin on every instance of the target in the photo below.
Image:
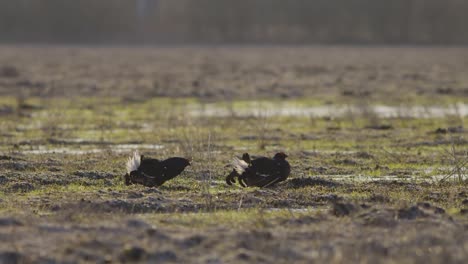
[260, 172]
[152, 172]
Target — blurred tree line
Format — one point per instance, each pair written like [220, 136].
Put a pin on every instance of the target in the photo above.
[239, 21]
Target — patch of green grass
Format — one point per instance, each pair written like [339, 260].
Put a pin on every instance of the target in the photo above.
[324, 147]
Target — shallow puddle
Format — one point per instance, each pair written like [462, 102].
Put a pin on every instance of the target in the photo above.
[286, 109]
[297, 210]
[399, 178]
[118, 148]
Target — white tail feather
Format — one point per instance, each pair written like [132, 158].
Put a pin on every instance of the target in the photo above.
[239, 165]
[133, 162]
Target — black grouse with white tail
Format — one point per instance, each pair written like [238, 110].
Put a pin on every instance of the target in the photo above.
[260, 172]
[152, 172]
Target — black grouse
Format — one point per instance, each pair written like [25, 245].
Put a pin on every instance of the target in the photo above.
[152, 172]
[260, 172]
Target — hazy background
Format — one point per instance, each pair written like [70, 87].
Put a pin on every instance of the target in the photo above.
[241, 21]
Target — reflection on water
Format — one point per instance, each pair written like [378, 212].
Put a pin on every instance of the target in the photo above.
[399, 178]
[271, 110]
[118, 148]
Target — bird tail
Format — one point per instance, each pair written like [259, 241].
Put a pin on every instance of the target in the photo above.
[239, 165]
[133, 162]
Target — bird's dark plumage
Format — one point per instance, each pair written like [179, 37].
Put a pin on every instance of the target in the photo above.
[260, 172]
[152, 172]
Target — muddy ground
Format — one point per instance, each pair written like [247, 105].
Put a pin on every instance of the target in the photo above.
[215, 73]
[366, 186]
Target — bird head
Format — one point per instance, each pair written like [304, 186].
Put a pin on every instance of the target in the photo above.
[280, 156]
[246, 157]
[188, 162]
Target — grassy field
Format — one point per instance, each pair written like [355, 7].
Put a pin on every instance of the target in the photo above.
[376, 138]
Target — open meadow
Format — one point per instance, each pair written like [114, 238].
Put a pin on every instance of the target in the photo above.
[376, 137]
